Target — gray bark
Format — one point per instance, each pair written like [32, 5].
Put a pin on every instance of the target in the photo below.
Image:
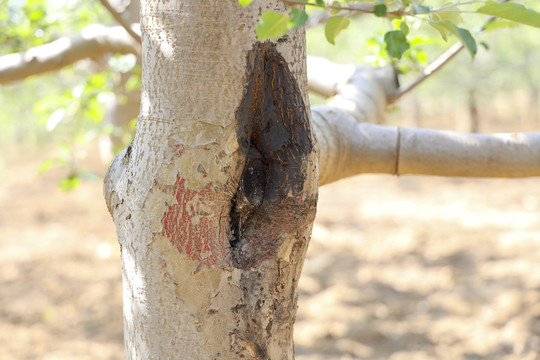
[211, 250]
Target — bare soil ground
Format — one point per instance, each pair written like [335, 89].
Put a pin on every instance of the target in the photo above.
[398, 268]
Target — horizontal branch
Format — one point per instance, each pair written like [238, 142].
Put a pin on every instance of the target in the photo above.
[349, 143]
[450, 153]
[408, 151]
[94, 41]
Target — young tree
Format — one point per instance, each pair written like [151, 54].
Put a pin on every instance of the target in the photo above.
[215, 197]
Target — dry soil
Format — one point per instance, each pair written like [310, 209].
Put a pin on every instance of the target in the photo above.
[398, 268]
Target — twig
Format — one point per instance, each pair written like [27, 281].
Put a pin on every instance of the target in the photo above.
[459, 3]
[438, 64]
[120, 20]
[399, 12]
[322, 17]
[430, 70]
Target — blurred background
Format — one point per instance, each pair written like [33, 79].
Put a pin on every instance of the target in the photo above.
[398, 268]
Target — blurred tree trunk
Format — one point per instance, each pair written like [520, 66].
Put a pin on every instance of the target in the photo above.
[474, 120]
[124, 106]
[534, 117]
[215, 198]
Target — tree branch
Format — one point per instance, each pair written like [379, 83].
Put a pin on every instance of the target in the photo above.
[440, 62]
[450, 153]
[350, 144]
[121, 20]
[93, 42]
[359, 8]
[406, 151]
[429, 70]
[360, 97]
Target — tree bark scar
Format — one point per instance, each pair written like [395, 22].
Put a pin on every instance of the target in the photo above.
[276, 137]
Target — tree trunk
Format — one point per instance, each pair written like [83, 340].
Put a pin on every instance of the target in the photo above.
[215, 198]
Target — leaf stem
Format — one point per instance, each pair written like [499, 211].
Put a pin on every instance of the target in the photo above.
[457, 10]
[430, 70]
[366, 10]
[459, 3]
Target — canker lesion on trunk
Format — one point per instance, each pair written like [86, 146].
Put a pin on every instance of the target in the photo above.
[275, 135]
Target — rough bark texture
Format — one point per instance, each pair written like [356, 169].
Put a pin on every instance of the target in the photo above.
[215, 197]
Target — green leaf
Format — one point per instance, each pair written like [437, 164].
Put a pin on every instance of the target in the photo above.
[272, 25]
[97, 81]
[244, 3]
[335, 11]
[435, 20]
[396, 43]
[95, 111]
[70, 182]
[453, 15]
[500, 24]
[35, 15]
[133, 82]
[320, 2]
[334, 26]
[467, 39]
[421, 9]
[46, 166]
[463, 35]
[404, 28]
[379, 10]
[441, 29]
[298, 18]
[513, 12]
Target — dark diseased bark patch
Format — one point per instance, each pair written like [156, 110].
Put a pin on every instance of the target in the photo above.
[276, 138]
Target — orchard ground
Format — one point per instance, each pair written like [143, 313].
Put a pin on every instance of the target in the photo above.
[398, 268]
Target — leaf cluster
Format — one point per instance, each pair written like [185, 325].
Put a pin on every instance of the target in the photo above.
[443, 16]
[29, 23]
[70, 107]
